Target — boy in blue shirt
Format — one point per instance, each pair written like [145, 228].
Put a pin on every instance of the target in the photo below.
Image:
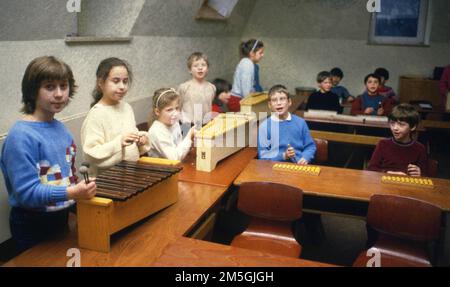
[38, 156]
[336, 77]
[284, 137]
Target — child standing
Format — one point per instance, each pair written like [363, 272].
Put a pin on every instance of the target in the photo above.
[165, 132]
[283, 136]
[336, 77]
[196, 94]
[384, 90]
[371, 102]
[401, 154]
[38, 156]
[109, 134]
[222, 97]
[246, 75]
[324, 99]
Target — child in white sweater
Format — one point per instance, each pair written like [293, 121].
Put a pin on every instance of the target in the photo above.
[109, 134]
[165, 131]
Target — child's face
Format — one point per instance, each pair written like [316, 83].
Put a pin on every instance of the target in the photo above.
[372, 85]
[255, 57]
[199, 69]
[326, 85]
[401, 130]
[115, 87]
[170, 114]
[279, 103]
[224, 97]
[52, 97]
[335, 80]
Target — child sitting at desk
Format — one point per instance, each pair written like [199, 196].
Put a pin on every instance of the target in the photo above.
[165, 132]
[284, 137]
[324, 99]
[371, 102]
[401, 154]
[384, 90]
[222, 97]
[336, 77]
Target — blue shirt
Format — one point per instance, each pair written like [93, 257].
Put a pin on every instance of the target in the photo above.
[244, 78]
[341, 91]
[275, 135]
[372, 102]
[37, 162]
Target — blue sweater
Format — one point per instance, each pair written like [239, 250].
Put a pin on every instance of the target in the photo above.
[274, 137]
[244, 79]
[37, 162]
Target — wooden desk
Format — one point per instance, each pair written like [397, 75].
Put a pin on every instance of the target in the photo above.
[138, 245]
[437, 125]
[187, 252]
[346, 138]
[349, 184]
[225, 172]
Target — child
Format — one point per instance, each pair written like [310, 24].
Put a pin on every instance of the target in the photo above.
[38, 156]
[336, 77]
[401, 154]
[324, 99]
[222, 97]
[109, 134]
[289, 138]
[370, 102]
[384, 90]
[246, 75]
[165, 132]
[196, 94]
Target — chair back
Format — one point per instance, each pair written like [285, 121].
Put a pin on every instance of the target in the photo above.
[321, 151]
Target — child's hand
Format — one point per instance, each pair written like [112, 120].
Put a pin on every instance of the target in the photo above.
[129, 139]
[396, 172]
[380, 111]
[143, 140]
[413, 170]
[368, 111]
[289, 153]
[82, 190]
[302, 161]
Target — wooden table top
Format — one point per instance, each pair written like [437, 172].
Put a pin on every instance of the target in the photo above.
[186, 252]
[225, 172]
[345, 183]
[138, 245]
[381, 125]
[346, 138]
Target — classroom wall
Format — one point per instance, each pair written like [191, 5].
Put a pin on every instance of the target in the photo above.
[304, 37]
[164, 34]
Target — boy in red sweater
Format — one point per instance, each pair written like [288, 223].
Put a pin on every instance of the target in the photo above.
[401, 154]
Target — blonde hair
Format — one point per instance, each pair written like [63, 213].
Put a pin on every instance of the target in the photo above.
[161, 99]
[195, 57]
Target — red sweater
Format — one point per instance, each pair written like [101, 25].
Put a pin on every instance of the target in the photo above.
[390, 155]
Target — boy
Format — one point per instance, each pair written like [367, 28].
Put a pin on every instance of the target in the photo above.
[38, 156]
[196, 94]
[401, 154]
[284, 137]
[384, 90]
[371, 102]
[336, 77]
[324, 99]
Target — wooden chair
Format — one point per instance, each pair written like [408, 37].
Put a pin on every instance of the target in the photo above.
[403, 228]
[272, 208]
[432, 167]
[322, 151]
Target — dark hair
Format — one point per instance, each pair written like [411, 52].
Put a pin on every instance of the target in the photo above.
[162, 98]
[322, 76]
[102, 74]
[221, 86]
[251, 45]
[47, 68]
[278, 89]
[337, 72]
[382, 72]
[197, 56]
[372, 76]
[405, 113]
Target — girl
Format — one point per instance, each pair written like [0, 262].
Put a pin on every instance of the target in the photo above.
[222, 97]
[38, 156]
[109, 134]
[246, 76]
[165, 132]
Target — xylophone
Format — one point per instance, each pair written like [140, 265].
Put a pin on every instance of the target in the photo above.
[126, 193]
[306, 169]
[415, 181]
[255, 103]
[222, 137]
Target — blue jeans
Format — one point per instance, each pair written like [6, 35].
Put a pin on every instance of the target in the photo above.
[31, 227]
